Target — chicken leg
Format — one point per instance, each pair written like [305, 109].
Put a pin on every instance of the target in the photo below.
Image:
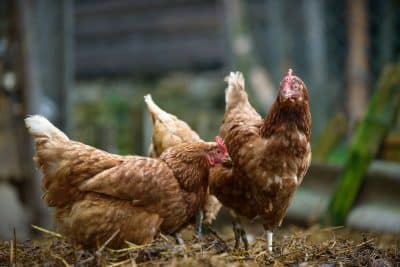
[199, 224]
[240, 234]
[269, 236]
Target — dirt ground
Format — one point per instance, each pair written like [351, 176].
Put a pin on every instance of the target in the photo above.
[293, 246]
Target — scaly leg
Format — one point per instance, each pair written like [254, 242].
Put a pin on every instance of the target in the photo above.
[243, 235]
[179, 239]
[240, 234]
[269, 237]
[236, 232]
[199, 223]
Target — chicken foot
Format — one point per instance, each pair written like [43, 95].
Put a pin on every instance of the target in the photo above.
[215, 234]
[179, 239]
[240, 234]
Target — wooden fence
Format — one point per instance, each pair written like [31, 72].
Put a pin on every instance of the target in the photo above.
[126, 37]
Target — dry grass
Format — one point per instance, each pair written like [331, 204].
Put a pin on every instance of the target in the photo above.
[294, 246]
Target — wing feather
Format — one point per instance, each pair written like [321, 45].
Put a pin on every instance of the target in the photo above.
[138, 179]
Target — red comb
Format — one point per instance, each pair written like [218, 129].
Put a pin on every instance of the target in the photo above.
[221, 143]
[287, 79]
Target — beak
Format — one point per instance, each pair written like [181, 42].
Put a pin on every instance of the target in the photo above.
[227, 159]
[288, 94]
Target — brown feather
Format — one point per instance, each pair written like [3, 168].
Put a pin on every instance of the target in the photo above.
[95, 193]
[270, 156]
[169, 131]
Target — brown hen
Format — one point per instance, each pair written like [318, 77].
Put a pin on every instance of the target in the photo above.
[270, 155]
[96, 194]
[169, 131]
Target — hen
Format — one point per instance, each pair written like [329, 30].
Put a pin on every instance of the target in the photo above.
[96, 194]
[270, 155]
[169, 131]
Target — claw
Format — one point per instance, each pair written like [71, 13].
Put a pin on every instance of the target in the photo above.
[179, 239]
[215, 234]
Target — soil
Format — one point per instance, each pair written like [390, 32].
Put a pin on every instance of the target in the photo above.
[293, 246]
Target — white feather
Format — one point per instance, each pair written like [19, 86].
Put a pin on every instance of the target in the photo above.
[153, 108]
[235, 88]
[40, 126]
[235, 79]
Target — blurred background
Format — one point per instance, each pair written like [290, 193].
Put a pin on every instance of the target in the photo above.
[86, 65]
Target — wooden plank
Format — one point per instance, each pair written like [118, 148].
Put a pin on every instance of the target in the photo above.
[382, 184]
[317, 78]
[376, 216]
[125, 36]
[392, 140]
[170, 20]
[30, 74]
[365, 143]
[4, 17]
[55, 47]
[151, 56]
[387, 32]
[390, 149]
[9, 156]
[149, 42]
[357, 60]
[85, 8]
[46, 70]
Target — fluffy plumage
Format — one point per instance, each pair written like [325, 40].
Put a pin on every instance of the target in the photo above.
[95, 193]
[169, 131]
[270, 155]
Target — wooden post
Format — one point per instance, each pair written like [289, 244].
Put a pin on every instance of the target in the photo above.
[357, 60]
[55, 49]
[45, 30]
[318, 83]
[276, 30]
[381, 113]
[387, 32]
[30, 76]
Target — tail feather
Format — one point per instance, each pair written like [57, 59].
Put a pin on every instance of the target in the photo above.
[235, 91]
[156, 112]
[39, 126]
[47, 140]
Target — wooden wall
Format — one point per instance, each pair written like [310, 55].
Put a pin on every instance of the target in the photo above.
[128, 36]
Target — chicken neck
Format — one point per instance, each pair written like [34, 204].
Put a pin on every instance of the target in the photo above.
[286, 117]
